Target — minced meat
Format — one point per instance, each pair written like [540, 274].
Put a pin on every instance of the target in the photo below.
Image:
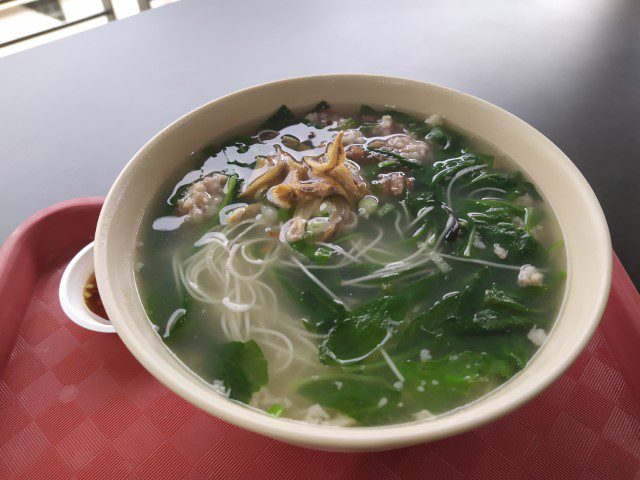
[404, 145]
[201, 199]
[393, 184]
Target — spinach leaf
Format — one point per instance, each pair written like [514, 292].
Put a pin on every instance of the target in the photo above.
[402, 160]
[443, 137]
[443, 316]
[445, 383]
[319, 311]
[409, 122]
[447, 168]
[476, 309]
[416, 201]
[512, 182]
[318, 255]
[275, 410]
[242, 368]
[495, 298]
[363, 331]
[179, 320]
[387, 165]
[241, 144]
[242, 164]
[283, 117]
[347, 124]
[501, 312]
[520, 244]
[322, 105]
[165, 305]
[369, 400]
[495, 220]
[419, 290]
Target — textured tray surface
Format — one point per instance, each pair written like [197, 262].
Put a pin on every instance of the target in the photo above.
[76, 404]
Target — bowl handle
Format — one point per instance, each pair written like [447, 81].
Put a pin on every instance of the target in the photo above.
[71, 293]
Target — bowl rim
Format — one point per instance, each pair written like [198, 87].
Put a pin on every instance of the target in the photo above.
[352, 438]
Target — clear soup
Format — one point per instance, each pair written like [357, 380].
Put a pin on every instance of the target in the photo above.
[351, 267]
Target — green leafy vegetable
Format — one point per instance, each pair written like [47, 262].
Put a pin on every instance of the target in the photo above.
[450, 381]
[321, 106]
[369, 400]
[448, 168]
[363, 331]
[385, 210]
[442, 136]
[284, 214]
[317, 254]
[512, 182]
[416, 126]
[283, 117]
[401, 159]
[275, 410]
[242, 164]
[319, 311]
[388, 164]
[242, 368]
[519, 243]
[347, 124]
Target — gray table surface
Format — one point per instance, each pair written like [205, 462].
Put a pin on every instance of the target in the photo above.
[74, 111]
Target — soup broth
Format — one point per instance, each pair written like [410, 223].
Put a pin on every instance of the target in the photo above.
[351, 267]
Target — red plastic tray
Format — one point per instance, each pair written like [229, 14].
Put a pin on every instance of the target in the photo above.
[76, 404]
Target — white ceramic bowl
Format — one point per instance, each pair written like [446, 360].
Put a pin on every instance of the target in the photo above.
[579, 214]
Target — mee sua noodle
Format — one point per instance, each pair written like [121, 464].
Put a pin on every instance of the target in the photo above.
[351, 267]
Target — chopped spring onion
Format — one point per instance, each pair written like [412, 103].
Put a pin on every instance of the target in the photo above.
[317, 225]
[392, 365]
[367, 206]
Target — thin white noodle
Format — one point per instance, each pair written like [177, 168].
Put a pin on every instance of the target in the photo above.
[488, 189]
[285, 340]
[308, 342]
[396, 224]
[234, 272]
[421, 214]
[175, 267]
[238, 307]
[382, 273]
[269, 290]
[225, 329]
[247, 325]
[419, 273]
[193, 289]
[353, 223]
[229, 230]
[247, 258]
[360, 285]
[405, 209]
[392, 365]
[244, 232]
[462, 172]
[481, 262]
[392, 268]
[449, 224]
